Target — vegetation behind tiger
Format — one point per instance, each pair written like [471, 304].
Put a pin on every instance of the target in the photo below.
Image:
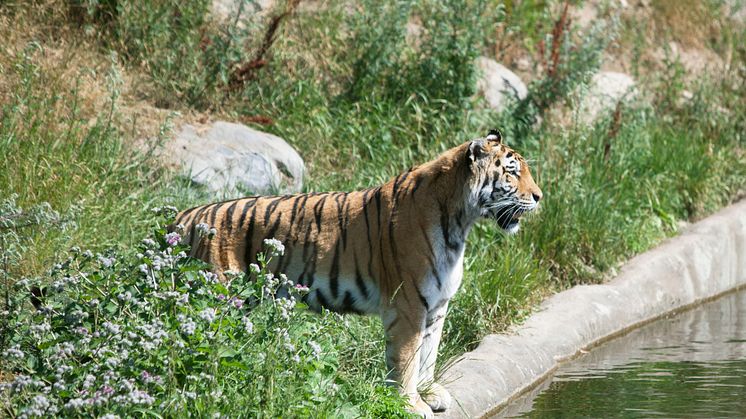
[83, 83]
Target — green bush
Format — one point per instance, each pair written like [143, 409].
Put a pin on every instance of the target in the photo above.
[155, 332]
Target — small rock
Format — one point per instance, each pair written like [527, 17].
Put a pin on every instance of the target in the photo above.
[223, 10]
[497, 84]
[235, 159]
[606, 89]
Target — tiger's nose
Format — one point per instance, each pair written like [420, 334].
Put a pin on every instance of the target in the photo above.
[537, 196]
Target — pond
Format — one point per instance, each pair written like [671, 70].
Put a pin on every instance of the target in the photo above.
[692, 364]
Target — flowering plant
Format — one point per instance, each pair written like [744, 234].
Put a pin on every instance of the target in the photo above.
[122, 334]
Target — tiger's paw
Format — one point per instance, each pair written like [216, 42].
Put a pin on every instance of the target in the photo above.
[437, 397]
[420, 408]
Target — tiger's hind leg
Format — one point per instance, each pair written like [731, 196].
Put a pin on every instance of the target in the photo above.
[434, 394]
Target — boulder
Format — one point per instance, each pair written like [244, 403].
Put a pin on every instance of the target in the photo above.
[235, 159]
[605, 90]
[497, 84]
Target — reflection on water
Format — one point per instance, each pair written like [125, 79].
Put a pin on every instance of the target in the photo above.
[689, 365]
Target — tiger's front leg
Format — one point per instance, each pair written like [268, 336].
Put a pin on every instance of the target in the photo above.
[434, 394]
[404, 331]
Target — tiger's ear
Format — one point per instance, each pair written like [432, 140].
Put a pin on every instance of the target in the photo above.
[494, 136]
[477, 149]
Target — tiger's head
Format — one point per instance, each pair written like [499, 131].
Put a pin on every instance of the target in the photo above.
[501, 184]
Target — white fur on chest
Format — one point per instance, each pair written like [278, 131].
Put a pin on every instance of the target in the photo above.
[445, 281]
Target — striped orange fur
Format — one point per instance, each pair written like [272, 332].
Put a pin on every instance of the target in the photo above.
[395, 250]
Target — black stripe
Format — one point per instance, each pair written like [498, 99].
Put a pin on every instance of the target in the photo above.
[318, 208]
[250, 255]
[440, 304]
[431, 321]
[334, 273]
[271, 232]
[293, 214]
[418, 180]
[195, 220]
[397, 184]
[229, 217]
[183, 214]
[445, 227]
[250, 202]
[348, 304]
[360, 282]
[343, 218]
[323, 302]
[314, 258]
[270, 209]
[367, 232]
[391, 325]
[214, 214]
[431, 258]
[225, 233]
[306, 244]
[422, 298]
[340, 219]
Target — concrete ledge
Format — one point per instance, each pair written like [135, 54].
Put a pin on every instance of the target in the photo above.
[707, 260]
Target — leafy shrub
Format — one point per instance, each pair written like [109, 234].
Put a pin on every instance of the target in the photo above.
[156, 332]
[569, 60]
[437, 63]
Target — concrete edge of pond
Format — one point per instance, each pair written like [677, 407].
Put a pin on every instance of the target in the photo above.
[706, 260]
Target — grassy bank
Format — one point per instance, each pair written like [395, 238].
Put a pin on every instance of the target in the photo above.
[361, 102]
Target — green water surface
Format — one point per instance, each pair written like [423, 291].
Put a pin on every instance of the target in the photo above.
[692, 365]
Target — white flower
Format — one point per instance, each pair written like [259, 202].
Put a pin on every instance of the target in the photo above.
[187, 325]
[89, 381]
[14, 352]
[202, 229]
[209, 277]
[39, 406]
[106, 262]
[111, 328]
[275, 247]
[207, 314]
[254, 269]
[75, 404]
[316, 348]
[248, 326]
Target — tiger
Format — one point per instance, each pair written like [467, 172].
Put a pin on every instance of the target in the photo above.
[394, 250]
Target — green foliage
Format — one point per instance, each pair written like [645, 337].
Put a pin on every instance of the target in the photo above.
[570, 59]
[52, 153]
[156, 332]
[438, 59]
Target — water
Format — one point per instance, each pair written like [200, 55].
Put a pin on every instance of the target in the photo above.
[689, 365]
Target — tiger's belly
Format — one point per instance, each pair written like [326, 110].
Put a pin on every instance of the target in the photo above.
[341, 291]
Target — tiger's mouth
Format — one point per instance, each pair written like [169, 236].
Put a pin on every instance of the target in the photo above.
[509, 218]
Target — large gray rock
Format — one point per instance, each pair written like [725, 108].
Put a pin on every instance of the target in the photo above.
[233, 158]
[605, 90]
[497, 84]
